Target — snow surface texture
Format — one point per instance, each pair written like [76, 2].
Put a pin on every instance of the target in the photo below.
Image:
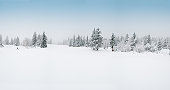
[69, 68]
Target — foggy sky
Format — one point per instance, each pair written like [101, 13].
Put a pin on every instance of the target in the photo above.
[61, 19]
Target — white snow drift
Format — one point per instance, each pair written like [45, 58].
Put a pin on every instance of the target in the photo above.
[68, 68]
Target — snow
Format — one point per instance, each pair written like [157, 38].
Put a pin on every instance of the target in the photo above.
[60, 67]
[165, 51]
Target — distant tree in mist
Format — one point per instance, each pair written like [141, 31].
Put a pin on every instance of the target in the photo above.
[34, 39]
[6, 41]
[16, 41]
[27, 42]
[106, 43]
[12, 41]
[50, 41]
[78, 41]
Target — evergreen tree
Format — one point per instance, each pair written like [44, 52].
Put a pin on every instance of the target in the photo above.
[74, 41]
[147, 40]
[133, 42]
[169, 44]
[92, 40]
[83, 41]
[44, 41]
[147, 43]
[96, 39]
[126, 38]
[165, 44]
[112, 41]
[34, 39]
[39, 40]
[87, 42]
[159, 45]
[1, 41]
[78, 41]
[70, 42]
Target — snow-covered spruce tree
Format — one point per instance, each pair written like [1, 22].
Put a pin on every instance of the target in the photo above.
[34, 39]
[147, 40]
[78, 41]
[1, 41]
[124, 46]
[165, 44]
[7, 41]
[133, 42]
[126, 39]
[169, 44]
[74, 41]
[39, 40]
[96, 40]
[83, 40]
[147, 43]
[92, 39]
[159, 45]
[112, 41]
[44, 41]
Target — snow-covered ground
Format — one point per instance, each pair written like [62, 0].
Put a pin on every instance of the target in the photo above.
[61, 67]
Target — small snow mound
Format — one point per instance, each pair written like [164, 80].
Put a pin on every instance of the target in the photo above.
[165, 52]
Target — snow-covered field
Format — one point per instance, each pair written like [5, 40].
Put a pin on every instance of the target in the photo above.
[61, 67]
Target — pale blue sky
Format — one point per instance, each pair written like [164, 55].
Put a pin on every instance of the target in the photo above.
[63, 18]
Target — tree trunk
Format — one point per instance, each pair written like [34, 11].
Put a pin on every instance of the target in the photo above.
[112, 50]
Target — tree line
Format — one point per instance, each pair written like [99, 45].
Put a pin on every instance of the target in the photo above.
[120, 43]
[96, 41]
[36, 41]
